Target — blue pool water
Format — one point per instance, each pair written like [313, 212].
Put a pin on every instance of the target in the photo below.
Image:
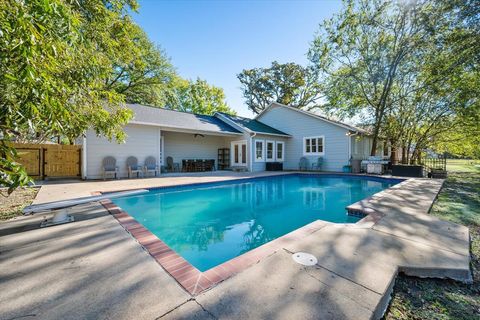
[213, 223]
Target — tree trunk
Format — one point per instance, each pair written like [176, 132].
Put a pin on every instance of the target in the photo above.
[393, 152]
[404, 154]
[374, 140]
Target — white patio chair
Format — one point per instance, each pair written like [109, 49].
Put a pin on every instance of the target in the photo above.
[109, 166]
[151, 166]
[318, 165]
[303, 164]
[133, 167]
[172, 166]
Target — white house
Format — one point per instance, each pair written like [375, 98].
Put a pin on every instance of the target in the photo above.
[279, 134]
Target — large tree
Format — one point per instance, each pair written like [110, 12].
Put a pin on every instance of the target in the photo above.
[55, 57]
[141, 70]
[197, 96]
[402, 66]
[288, 83]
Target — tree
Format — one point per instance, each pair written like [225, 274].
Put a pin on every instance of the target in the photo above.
[54, 61]
[197, 97]
[141, 70]
[358, 54]
[289, 84]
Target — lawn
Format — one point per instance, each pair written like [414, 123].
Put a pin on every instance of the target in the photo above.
[415, 298]
[12, 205]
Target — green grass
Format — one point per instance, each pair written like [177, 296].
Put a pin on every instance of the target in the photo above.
[415, 298]
[463, 165]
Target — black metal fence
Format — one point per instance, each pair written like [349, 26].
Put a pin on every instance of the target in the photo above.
[437, 163]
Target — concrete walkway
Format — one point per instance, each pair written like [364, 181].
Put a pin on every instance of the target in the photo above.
[93, 269]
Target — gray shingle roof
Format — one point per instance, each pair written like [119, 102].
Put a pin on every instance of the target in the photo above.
[179, 120]
[253, 125]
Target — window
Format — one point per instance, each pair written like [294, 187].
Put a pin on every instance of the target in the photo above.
[270, 150]
[280, 150]
[259, 150]
[313, 145]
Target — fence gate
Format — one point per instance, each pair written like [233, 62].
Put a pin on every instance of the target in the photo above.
[50, 160]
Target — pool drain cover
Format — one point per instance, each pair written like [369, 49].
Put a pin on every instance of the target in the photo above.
[304, 258]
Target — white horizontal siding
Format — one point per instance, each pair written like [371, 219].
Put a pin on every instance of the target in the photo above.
[260, 166]
[298, 125]
[142, 141]
[186, 146]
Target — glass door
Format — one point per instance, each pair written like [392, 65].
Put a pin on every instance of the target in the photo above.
[239, 152]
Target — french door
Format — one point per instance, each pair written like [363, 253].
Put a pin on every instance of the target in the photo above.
[239, 153]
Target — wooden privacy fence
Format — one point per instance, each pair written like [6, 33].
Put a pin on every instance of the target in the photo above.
[50, 160]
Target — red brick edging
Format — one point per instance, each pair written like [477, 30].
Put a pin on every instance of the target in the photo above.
[189, 277]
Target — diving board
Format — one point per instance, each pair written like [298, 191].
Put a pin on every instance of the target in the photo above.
[63, 216]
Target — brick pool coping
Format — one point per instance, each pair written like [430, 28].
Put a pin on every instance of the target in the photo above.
[193, 280]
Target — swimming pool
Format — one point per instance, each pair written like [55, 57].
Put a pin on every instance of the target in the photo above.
[208, 224]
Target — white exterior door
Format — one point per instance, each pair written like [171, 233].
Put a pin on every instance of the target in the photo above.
[239, 153]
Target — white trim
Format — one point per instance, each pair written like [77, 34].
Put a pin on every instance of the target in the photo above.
[283, 151]
[162, 150]
[349, 146]
[274, 134]
[255, 150]
[313, 115]
[236, 126]
[84, 157]
[273, 151]
[305, 153]
[232, 123]
[232, 153]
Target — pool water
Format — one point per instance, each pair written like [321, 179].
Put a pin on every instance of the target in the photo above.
[212, 223]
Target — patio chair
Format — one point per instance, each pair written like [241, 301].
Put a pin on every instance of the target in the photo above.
[199, 165]
[303, 164]
[318, 165]
[172, 166]
[210, 165]
[190, 165]
[109, 166]
[133, 167]
[151, 166]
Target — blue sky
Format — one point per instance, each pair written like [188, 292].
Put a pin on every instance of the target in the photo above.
[216, 40]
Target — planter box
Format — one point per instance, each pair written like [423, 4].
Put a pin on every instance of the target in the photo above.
[407, 171]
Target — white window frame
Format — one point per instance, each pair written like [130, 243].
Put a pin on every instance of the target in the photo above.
[273, 151]
[262, 159]
[305, 153]
[283, 151]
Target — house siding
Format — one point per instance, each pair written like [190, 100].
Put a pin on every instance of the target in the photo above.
[141, 142]
[298, 125]
[181, 146]
[260, 166]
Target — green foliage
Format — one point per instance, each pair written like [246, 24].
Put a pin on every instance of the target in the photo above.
[54, 61]
[197, 97]
[289, 84]
[141, 70]
[409, 69]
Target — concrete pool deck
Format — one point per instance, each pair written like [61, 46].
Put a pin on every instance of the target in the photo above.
[93, 269]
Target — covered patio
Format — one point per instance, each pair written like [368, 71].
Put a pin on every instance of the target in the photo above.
[168, 134]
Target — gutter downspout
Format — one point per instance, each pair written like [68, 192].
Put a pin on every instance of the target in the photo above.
[252, 154]
[84, 156]
[350, 144]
